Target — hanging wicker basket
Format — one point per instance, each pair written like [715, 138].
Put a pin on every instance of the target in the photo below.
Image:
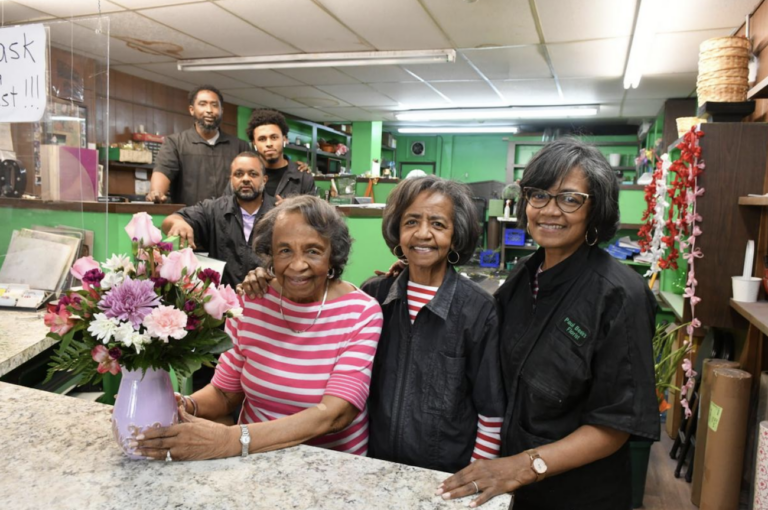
[724, 42]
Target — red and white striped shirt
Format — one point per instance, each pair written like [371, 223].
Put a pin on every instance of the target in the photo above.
[418, 296]
[282, 372]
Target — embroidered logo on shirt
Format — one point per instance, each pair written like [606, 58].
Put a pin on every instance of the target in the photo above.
[575, 332]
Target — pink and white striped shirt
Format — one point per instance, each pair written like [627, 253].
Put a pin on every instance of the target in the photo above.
[282, 372]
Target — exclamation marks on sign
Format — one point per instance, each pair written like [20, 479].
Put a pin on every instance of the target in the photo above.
[32, 88]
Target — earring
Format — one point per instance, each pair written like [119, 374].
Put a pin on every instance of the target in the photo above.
[586, 237]
[271, 270]
[400, 257]
[526, 229]
[332, 273]
[458, 257]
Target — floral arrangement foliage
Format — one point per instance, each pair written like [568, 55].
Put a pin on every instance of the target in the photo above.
[154, 310]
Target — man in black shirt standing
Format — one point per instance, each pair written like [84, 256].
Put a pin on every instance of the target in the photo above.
[268, 131]
[223, 226]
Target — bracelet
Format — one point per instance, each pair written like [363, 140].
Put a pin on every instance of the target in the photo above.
[194, 405]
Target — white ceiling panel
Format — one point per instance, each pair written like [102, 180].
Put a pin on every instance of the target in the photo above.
[684, 15]
[602, 58]
[319, 76]
[263, 97]
[262, 78]
[529, 92]
[309, 96]
[641, 107]
[579, 20]
[663, 86]
[206, 21]
[678, 53]
[609, 111]
[13, 13]
[300, 23]
[391, 24]
[358, 95]
[459, 70]
[313, 114]
[469, 93]
[523, 62]
[353, 114]
[208, 78]
[378, 74]
[66, 34]
[412, 95]
[71, 7]
[485, 23]
[155, 77]
[592, 90]
[143, 4]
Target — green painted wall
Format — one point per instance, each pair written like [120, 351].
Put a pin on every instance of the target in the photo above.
[243, 116]
[369, 251]
[366, 146]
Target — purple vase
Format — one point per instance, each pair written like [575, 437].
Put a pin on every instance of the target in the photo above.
[145, 400]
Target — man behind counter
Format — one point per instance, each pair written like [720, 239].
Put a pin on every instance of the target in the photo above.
[194, 164]
[268, 131]
[223, 226]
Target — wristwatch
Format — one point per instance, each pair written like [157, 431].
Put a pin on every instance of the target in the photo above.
[245, 439]
[538, 466]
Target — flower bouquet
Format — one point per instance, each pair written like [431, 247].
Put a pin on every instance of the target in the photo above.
[142, 316]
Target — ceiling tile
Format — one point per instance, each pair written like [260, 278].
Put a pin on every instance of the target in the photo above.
[684, 15]
[510, 63]
[592, 90]
[262, 78]
[354, 114]
[664, 86]
[529, 92]
[459, 70]
[313, 114]
[71, 7]
[390, 25]
[263, 97]
[202, 78]
[485, 23]
[13, 13]
[319, 76]
[378, 74]
[412, 95]
[589, 59]
[309, 96]
[199, 20]
[579, 20]
[641, 107]
[155, 77]
[358, 95]
[678, 53]
[143, 4]
[469, 93]
[85, 40]
[609, 111]
[300, 23]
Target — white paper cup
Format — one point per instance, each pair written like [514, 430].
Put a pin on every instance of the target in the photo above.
[746, 288]
[614, 159]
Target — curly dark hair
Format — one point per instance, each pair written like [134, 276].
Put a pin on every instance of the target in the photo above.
[319, 215]
[194, 92]
[466, 229]
[265, 117]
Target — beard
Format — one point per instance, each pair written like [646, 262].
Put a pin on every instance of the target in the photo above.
[208, 126]
[249, 196]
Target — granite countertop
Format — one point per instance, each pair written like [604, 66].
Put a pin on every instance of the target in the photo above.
[59, 453]
[22, 337]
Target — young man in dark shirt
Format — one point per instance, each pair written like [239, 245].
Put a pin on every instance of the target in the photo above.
[268, 131]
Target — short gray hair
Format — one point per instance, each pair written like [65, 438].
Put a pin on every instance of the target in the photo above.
[552, 163]
[319, 215]
[466, 230]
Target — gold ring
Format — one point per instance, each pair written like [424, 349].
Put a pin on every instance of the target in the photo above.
[477, 489]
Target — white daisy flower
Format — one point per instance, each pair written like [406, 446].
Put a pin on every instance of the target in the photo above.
[103, 328]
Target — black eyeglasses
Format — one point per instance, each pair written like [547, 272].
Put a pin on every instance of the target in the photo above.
[568, 201]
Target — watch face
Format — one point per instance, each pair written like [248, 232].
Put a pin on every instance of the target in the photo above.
[245, 439]
[539, 466]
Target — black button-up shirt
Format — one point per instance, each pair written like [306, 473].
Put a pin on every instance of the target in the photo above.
[432, 378]
[198, 170]
[580, 354]
[218, 226]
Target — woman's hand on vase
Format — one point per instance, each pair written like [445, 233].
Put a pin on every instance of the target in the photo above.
[490, 477]
[255, 284]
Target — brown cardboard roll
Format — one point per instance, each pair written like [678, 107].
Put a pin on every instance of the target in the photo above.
[492, 241]
[752, 444]
[701, 431]
[726, 437]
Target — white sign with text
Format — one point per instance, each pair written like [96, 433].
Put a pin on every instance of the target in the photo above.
[23, 90]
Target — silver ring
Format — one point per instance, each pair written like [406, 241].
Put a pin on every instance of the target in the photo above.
[477, 489]
[168, 457]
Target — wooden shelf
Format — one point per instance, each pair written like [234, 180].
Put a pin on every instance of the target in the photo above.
[296, 147]
[121, 165]
[675, 301]
[759, 91]
[755, 313]
[526, 248]
[331, 155]
[757, 201]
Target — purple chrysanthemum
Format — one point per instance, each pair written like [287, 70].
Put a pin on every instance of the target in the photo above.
[93, 277]
[130, 301]
[209, 274]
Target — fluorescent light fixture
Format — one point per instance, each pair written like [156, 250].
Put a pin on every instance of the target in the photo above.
[532, 112]
[299, 60]
[468, 130]
[642, 40]
[62, 117]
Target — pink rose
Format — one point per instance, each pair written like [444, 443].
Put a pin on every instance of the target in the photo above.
[175, 262]
[82, 266]
[142, 229]
[222, 300]
[166, 321]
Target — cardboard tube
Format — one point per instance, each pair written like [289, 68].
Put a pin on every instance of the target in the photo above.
[727, 434]
[759, 499]
[702, 430]
[754, 445]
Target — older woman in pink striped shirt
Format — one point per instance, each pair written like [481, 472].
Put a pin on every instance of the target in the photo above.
[301, 359]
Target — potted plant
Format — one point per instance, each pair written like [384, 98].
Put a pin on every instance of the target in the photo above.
[666, 362]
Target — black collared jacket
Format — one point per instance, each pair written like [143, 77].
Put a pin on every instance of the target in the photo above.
[218, 227]
[295, 182]
[431, 378]
[580, 354]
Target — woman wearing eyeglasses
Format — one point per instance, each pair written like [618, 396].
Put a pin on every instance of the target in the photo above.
[576, 329]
